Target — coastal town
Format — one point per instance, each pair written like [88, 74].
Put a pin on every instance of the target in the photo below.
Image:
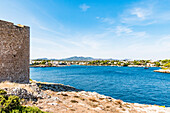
[129, 63]
[164, 64]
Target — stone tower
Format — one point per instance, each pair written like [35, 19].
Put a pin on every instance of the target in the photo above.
[14, 52]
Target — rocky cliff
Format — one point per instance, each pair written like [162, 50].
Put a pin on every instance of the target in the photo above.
[58, 98]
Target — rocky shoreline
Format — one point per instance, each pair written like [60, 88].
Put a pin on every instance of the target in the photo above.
[59, 98]
[162, 70]
[48, 66]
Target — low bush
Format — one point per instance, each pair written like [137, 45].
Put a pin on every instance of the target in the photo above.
[11, 104]
[2, 92]
[23, 109]
[167, 65]
[8, 103]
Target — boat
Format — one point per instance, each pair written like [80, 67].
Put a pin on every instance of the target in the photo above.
[146, 68]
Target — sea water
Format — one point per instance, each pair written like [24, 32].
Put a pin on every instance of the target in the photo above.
[130, 84]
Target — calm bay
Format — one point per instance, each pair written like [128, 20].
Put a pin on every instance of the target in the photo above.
[130, 84]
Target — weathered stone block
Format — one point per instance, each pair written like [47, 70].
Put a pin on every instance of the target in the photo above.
[14, 52]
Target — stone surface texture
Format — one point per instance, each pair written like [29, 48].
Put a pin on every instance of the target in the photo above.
[58, 98]
[14, 52]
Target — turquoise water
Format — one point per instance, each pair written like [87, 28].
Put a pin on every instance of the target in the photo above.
[130, 84]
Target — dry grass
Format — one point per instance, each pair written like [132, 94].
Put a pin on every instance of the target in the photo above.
[82, 98]
[76, 96]
[74, 101]
[93, 104]
[118, 102]
[93, 99]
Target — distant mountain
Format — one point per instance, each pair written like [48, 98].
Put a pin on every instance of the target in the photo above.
[41, 59]
[76, 58]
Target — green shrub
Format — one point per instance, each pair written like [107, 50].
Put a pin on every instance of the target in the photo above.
[11, 104]
[2, 92]
[167, 65]
[23, 109]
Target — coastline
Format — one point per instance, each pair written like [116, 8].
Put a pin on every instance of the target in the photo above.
[48, 66]
[163, 70]
[90, 65]
[53, 97]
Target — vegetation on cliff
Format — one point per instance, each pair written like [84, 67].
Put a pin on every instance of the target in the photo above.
[11, 104]
[166, 64]
[58, 98]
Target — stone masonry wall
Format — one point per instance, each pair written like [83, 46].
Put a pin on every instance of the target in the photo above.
[14, 52]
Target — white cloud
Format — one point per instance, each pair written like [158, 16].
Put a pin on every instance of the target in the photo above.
[164, 42]
[85, 42]
[125, 32]
[106, 20]
[146, 12]
[158, 49]
[117, 41]
[84, 7]
[122, 29]
[141, 13]
[138, 16]
[46, 42]
[91, 43]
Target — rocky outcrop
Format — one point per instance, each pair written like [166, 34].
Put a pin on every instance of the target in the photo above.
[56, 87]
[58, 98]
[162, 70]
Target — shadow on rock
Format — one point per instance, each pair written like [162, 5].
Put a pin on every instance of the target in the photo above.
[57, 87]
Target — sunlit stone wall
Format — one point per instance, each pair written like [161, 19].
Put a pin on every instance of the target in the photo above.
[14, 52]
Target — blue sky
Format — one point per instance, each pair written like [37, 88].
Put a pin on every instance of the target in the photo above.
[133, 29]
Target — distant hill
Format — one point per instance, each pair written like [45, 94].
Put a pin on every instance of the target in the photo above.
[41, 59]
[76, 58]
